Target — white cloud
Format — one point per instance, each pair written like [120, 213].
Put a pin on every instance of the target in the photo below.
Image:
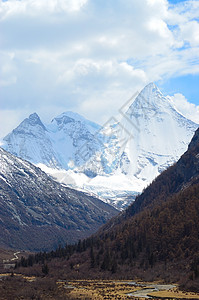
[87, 55]
[189, 110]
[190, 32]
[10, 8]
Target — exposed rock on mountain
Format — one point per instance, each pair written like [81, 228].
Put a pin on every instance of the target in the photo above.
[38, 213]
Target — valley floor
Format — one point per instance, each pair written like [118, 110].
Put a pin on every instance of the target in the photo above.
[18, 286]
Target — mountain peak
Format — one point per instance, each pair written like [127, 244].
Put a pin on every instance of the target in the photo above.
[150, 86]
[34, 116]
[150, 98]
[69, 116]
[34, 119]
[151, 90]
[72, 115]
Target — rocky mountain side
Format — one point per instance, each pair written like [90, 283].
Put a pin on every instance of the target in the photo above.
[37, 213]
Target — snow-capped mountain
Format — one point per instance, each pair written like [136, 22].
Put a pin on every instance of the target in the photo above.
[37, 212]
[115, 162]
[31, 141]
[151, 136]
[57, 145]
[159, 135]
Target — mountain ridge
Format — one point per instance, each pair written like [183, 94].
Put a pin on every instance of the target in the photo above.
[54, 145]
[115, 161]
[38, 213]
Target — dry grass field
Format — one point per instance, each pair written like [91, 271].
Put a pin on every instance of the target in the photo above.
[93, 289]
[109, 289]
[18, 286]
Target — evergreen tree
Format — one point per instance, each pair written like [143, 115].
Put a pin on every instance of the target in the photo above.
[45, 269]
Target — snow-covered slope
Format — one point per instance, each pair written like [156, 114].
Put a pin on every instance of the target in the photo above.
[159, 135]
[117, 161]
[31, 141]
[151, 136]
[57, 145]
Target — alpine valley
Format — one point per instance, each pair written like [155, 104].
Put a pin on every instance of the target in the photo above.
[115, 161]
[154, 240]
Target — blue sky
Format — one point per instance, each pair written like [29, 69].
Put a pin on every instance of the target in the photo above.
[176, 1]
[188, 85]
[90, 56]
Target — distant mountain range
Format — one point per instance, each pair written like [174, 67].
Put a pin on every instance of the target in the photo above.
[38, 213]
[116, 161]
[55, 145]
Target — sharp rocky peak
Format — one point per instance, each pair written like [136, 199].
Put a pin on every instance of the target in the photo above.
[34, 116]
[150, 94]
[150, 87]
[150, 99]
[34, 120]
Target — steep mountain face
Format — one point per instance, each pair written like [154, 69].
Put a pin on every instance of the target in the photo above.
[31, 141]
[160, 134]
[115, 162]
[72, 136]
[151, 137]
[57, 145]
[38, 213]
